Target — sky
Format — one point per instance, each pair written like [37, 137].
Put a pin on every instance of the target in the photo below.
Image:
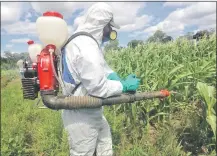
[137, 20]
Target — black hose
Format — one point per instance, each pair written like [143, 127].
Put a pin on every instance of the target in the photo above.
[76, 102]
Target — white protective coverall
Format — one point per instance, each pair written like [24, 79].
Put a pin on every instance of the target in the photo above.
[88, 129]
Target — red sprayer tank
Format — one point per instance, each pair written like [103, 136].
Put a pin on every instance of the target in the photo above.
[45, 72]
[53, 33]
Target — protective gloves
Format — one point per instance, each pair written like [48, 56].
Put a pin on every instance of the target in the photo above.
[131, 76]
[114, 76]
[131, 83]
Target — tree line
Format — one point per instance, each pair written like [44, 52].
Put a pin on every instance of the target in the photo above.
[10, 59]
[161, 37]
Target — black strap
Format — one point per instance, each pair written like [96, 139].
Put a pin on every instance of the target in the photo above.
[76, 87]
[79, 34]
[71, 38]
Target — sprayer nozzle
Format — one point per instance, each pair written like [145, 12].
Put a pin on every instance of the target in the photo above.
[165, 92]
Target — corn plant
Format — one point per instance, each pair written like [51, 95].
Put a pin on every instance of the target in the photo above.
[207, 93]
[173, 66]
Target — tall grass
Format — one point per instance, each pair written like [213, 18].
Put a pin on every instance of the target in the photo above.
[175, 126]
[27, 130]
[7, 76]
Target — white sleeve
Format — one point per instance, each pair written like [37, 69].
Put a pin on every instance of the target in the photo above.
[92, 73]
[108, 70]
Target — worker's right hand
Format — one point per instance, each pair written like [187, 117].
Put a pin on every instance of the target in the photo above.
[131, 76]
[131, 83]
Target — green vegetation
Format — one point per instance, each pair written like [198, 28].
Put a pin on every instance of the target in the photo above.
[134, 43]
[183, 122]
[159, 36]
[7, 76]
[27, 130]
[180, 125]
[9, 61]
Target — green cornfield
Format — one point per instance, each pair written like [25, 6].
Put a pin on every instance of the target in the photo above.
[183, 124]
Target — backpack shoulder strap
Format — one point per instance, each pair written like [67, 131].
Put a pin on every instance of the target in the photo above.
[79, 34]
[71, 38]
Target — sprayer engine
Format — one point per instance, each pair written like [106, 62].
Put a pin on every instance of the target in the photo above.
[40, 77]
[30, 83]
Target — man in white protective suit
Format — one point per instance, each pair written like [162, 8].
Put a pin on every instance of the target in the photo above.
[84, 64]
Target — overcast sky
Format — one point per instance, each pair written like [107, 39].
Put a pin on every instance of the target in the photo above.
[138, 20]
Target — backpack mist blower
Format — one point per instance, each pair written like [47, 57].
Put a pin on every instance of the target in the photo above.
[44, 75]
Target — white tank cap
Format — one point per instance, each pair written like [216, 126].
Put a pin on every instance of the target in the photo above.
[53, 13]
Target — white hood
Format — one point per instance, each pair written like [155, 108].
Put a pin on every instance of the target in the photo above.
[96, 18]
